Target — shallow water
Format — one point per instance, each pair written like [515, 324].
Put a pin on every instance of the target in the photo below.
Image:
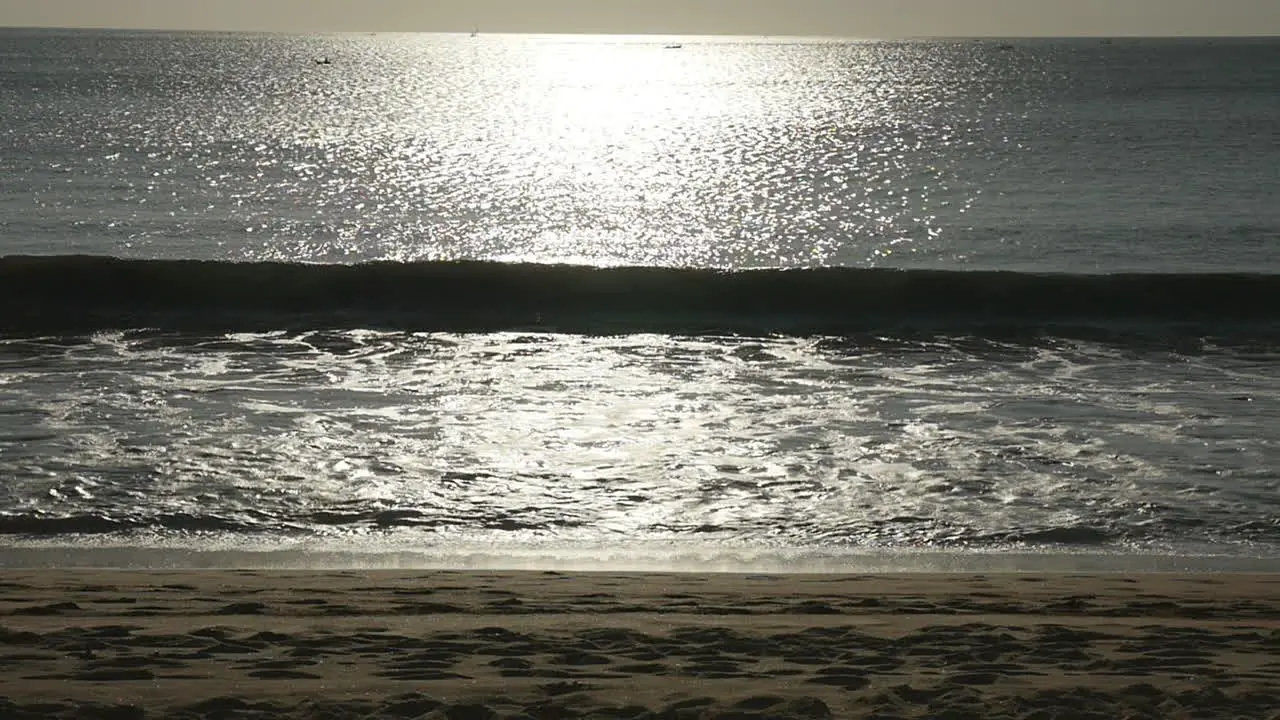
[826, 443]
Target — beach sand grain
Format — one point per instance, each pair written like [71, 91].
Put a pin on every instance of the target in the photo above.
[469, 644]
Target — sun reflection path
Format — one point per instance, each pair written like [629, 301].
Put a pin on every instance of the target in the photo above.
[725, 152]
[613, 125]
[614, 151]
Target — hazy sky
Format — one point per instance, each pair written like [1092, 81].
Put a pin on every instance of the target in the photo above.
[855, 18]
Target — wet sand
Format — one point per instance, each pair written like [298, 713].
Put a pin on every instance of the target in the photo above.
[461, 645]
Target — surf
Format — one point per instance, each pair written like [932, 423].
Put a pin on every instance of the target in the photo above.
[43, 294]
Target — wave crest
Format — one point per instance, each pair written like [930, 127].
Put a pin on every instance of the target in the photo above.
[45, 294]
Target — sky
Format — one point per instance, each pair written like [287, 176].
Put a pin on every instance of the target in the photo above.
[847, 18]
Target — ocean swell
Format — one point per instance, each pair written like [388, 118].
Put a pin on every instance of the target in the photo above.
[48, 294]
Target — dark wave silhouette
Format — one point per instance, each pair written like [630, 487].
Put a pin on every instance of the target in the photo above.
[86, 293]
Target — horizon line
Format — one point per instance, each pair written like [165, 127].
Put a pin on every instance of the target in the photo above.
[665, 34]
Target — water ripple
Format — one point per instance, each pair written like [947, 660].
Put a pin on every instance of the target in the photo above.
[937, 443]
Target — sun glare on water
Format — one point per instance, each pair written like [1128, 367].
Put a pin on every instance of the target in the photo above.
[703, 152]
[609, 124]
[606, 150]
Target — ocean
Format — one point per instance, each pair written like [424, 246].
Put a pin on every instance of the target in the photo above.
[638, 302]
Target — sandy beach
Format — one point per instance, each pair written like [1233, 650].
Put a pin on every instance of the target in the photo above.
[463, 645]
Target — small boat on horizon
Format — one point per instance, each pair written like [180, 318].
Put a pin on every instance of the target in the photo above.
[673, 46]
[323, 61]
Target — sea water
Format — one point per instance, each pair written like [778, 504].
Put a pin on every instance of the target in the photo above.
[535, 301]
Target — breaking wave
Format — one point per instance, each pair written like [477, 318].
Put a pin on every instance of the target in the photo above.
[90, 293]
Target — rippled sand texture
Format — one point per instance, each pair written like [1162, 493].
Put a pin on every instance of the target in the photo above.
[248, 644]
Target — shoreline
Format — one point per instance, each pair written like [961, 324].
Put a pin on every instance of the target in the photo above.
[481, 644]
[641, 557]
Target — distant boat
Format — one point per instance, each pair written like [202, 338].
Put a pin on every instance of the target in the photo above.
[324, 61]
[475, 32]
[673, 46]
